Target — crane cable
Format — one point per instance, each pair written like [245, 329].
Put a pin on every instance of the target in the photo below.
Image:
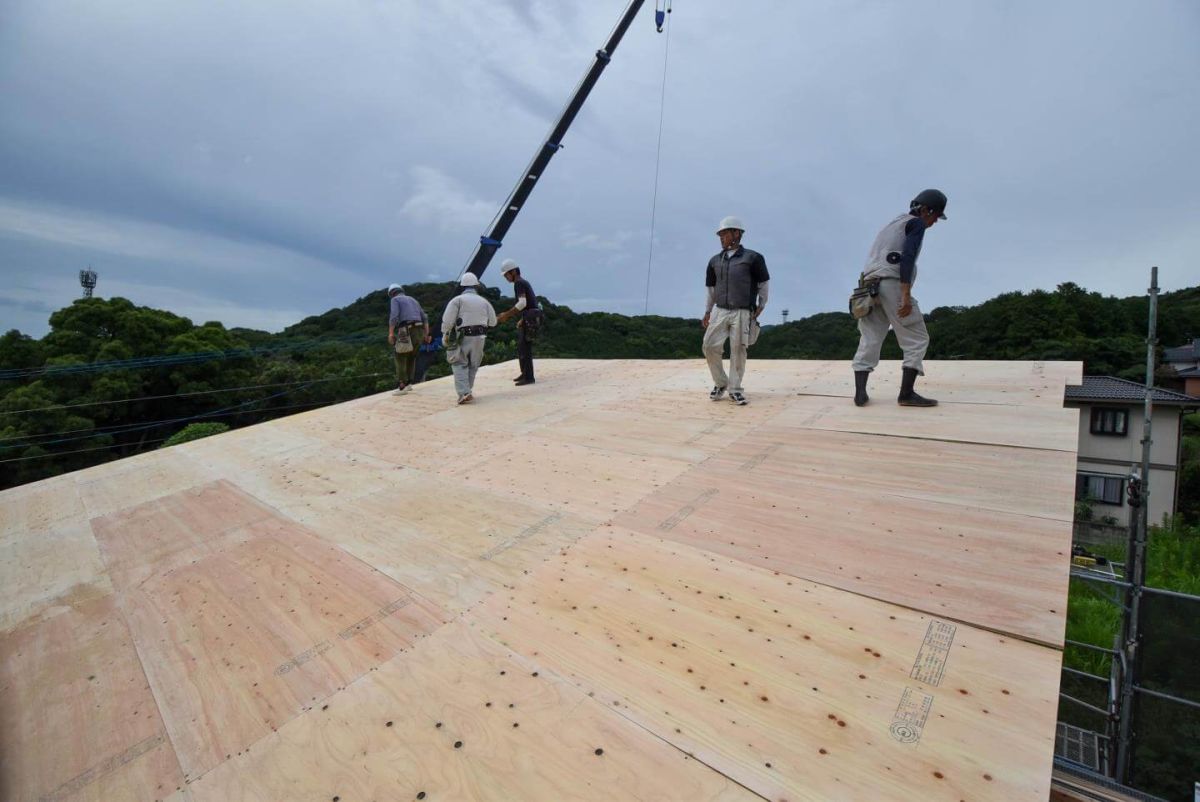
[659, 16]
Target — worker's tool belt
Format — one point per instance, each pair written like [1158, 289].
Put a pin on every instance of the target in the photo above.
[532, 322]
[864, 297]
[404, 343]
[473, 331]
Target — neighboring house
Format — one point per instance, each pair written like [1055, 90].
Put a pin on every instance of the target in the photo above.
[1110, 442]
[1185, 361]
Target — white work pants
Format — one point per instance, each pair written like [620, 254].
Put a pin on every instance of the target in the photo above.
[732, 325]
[470, 356]
[910, 331]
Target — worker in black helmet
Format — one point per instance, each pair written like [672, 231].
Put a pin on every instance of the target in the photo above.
[892, 270]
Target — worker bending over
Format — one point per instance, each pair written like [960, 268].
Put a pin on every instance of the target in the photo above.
[407, 327]
[892, 266]
[736, 283]
[530, 324]
[465, 322]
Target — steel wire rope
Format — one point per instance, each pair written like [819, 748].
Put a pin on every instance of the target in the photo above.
[662, 105]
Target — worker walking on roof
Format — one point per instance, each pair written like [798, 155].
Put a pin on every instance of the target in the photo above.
[891, 272]
[407, 327]
[530, 324]
[465, 325]
[736, 284]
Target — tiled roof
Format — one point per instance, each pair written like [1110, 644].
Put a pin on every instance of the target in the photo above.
[1183, 353]
[1110, 388]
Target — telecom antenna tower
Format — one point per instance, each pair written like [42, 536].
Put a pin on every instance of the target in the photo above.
[785, 314]
[87, 280]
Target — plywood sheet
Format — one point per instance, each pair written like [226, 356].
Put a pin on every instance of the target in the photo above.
[47, 571]
[451, 542]
[797, 691]
[152, 538]
[1021, 426]
[125, 483]
[1009, 383]
[682, 438]
[40, 506]
[303, 480]
[78, 720]
[976, 475]
[462, 718]
[591, 483]
[994, 570]
[239, 640]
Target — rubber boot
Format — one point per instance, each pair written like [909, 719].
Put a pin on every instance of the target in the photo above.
[860, 387]
[908, 396]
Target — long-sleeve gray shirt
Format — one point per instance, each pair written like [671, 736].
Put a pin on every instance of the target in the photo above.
[405, 309]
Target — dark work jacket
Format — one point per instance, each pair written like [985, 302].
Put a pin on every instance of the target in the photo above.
[736, 278]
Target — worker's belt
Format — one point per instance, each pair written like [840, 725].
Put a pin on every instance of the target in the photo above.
[472, 331]
[412, 323]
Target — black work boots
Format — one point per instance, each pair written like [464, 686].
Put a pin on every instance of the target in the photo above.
[908, 397]
[860, 387]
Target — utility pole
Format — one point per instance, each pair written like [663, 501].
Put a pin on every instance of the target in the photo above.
[1135, 560]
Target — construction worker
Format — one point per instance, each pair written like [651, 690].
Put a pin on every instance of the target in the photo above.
[892, 265]
[407, 324]
[736, 284]
[530, 323]
[467, 319]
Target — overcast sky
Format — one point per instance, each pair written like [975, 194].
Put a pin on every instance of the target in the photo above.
[257, 162]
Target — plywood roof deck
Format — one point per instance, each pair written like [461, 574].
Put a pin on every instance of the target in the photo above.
[602, 586]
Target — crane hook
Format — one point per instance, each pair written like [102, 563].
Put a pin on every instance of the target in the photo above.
[661, 9]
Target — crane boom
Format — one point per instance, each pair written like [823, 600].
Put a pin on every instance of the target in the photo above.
[490, 242]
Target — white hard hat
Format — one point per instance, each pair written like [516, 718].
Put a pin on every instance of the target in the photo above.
[508, 264]
[468, 280]
[731, 222]
[393, 287]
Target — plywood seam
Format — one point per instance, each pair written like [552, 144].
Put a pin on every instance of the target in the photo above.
[118, 598]
[515, 654]
[949, 403]
[936, 439]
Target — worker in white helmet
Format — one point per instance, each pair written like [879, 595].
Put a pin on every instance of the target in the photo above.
[408, 327]
[465, 325]
[530, 324]
[736, 284]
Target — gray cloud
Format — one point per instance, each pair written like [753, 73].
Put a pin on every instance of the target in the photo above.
[279, 158]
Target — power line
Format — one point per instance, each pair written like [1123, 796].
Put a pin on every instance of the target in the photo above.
[166, 360]
[190, 394]
[150, 442]
[140, 427]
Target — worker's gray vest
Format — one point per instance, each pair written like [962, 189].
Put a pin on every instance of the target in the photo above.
[735, 288]
[884, 259]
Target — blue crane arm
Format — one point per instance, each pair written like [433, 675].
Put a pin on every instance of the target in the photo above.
[490, 242]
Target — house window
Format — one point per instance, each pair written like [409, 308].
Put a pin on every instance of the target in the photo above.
[1110, 421]
[1104, 489]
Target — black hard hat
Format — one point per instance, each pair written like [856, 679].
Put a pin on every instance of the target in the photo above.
[933, 199]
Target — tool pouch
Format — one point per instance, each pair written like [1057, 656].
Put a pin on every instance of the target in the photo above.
[404, 343]
[864, 297]
[532, 322]
[452, 341]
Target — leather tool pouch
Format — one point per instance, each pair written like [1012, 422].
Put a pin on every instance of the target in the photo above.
[864, 297]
